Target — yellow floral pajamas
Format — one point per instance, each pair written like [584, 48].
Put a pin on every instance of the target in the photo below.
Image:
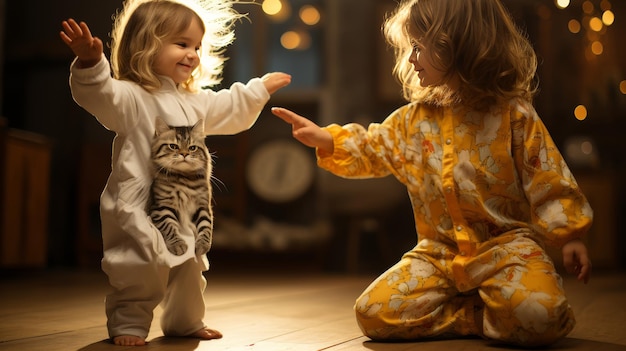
[488, 191]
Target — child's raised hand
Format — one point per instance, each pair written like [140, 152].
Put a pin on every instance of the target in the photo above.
[275, 80]
[78, 37]
[305, 131]
[576, 259]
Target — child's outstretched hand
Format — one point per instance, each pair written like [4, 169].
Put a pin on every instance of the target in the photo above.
[305, 131]
[275, 80]
[576, 259]
[86, 47]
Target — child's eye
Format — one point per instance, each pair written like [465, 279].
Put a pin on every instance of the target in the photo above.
[182, 45]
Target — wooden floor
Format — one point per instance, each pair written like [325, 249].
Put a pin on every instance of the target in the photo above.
[63, 310]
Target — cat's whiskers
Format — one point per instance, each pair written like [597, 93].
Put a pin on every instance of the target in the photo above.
[218, 183]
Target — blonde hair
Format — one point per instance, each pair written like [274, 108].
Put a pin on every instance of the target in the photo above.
[140, 28]
[475, 40]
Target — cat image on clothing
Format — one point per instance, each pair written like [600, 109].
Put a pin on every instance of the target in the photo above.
[181, 193]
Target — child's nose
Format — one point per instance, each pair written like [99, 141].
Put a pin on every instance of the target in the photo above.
[192, 54]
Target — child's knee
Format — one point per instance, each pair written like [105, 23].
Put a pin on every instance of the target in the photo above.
[534, 322]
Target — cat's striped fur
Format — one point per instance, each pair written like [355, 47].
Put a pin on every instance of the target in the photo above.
[181, 193]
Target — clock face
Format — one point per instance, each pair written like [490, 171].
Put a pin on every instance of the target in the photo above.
[280, 170]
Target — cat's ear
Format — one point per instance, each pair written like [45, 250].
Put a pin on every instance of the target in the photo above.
[198, 127]
[160, 126]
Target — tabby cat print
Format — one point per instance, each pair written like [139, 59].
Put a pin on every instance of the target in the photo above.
[181, 194]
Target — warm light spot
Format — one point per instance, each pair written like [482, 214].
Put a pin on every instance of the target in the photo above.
[608, 17]
[597, 48]
[595, 24]
[290, 40]
[588, 7]
[622, 87]
[586, 147]
[277, 10]
[561, 3]
[573, 26]
[605, 5]
[272, 7]
[580, 112]
[295, 40]
[309, 15]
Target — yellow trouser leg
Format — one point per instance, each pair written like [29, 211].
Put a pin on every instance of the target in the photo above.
[511, 293]
[413, 299]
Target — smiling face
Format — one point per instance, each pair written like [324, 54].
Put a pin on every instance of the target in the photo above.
[428, 70]
[422, 60]
[178, 57]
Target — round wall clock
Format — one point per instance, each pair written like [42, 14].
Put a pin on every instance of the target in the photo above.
[280, 171]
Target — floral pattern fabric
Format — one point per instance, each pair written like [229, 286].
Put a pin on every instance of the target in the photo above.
[488, 190]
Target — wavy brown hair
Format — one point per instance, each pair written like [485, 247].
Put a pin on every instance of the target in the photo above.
[142, 26]
[476, 40]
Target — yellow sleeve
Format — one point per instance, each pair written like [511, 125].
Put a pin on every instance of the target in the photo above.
[366, 153]
[559, 209]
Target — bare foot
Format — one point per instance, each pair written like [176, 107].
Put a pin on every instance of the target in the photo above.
[128, 340]
[206, 334]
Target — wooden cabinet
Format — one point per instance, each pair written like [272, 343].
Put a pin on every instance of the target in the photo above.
[25, 193]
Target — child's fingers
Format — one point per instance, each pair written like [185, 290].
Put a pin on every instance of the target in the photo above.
[71, 31]
[74, 28]
[85, 29]
[585, 272]
[284, 114]
[65, 38]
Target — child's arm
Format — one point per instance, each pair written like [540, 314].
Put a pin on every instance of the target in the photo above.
[307, 132]
[86, 47]
[275, 80]
[576, 259]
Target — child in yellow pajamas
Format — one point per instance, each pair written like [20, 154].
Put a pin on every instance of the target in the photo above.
[488, 186]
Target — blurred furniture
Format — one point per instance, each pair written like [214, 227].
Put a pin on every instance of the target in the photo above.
[361, 210]
[24, 199]
[601, 191]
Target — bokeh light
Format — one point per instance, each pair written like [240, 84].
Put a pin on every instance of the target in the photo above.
[561, 3]
[597, 48]
[309, 15]
[588, 7]
[596, 24]
[272, 7]
[574, 26]
[622, 87]
[277, 10]
[295, 40]
[608, 17]
[586, 147]
[580, 112]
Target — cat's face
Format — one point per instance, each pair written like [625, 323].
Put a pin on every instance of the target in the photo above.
[180, 149]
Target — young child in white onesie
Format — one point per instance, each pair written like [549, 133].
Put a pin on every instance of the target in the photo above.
[162, 52]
